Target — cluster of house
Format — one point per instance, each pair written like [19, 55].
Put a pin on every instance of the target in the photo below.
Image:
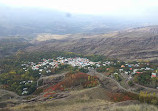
[48, 64]
[25, 90]
[136, 69]
[80, 62]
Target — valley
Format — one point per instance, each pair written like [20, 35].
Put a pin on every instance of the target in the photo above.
[79, 81]
[78, 55]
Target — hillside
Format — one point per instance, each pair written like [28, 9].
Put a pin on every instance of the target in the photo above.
[77, 98]
[101, 97]
[9, 46]
[66, 88]
[85, 106]
[137, 43]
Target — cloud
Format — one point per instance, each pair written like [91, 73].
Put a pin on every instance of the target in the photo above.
[107, 7]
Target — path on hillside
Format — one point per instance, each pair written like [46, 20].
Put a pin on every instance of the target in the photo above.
[147, 88]
[51, 76]
[11, 93]
[141, 86]
[102, 77]
[118, 84]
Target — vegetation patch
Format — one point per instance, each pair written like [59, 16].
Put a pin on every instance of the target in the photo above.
[72, 80]
[124, 96]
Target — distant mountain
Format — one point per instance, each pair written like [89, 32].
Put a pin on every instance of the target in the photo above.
[137, 43]
[32, 21]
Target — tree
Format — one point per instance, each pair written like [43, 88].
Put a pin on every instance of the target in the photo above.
[83, 70]
[130, 83]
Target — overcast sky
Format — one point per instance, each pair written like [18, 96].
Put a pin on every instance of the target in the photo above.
[106, 7]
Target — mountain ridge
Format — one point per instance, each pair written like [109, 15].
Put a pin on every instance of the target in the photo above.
[126, 44]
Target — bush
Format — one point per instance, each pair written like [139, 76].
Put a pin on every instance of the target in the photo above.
[154, 101]
[130, 83]
[84, 70]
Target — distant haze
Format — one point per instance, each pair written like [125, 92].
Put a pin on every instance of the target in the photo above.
[103, 7]
[29, 17]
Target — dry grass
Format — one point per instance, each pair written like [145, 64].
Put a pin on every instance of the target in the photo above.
[93, 93]
[62, 105]
[141, 107]
[8, 99]
[78, 100]
[84, 105]
[92, 99]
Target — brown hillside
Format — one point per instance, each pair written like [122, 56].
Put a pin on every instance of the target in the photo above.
[137, 43]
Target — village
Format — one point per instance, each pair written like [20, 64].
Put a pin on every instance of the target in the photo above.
[113, 69]
[48, 64]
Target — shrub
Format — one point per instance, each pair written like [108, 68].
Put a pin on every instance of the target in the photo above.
[74, 80]
[130, 83]
[154, 101]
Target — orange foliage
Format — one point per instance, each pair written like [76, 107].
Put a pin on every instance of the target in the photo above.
[73, 80]
[48, 94]
[118, 97]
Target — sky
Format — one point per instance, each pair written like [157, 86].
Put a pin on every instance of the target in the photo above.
[95, 7]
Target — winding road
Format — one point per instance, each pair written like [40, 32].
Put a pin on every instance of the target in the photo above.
[103, 77]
